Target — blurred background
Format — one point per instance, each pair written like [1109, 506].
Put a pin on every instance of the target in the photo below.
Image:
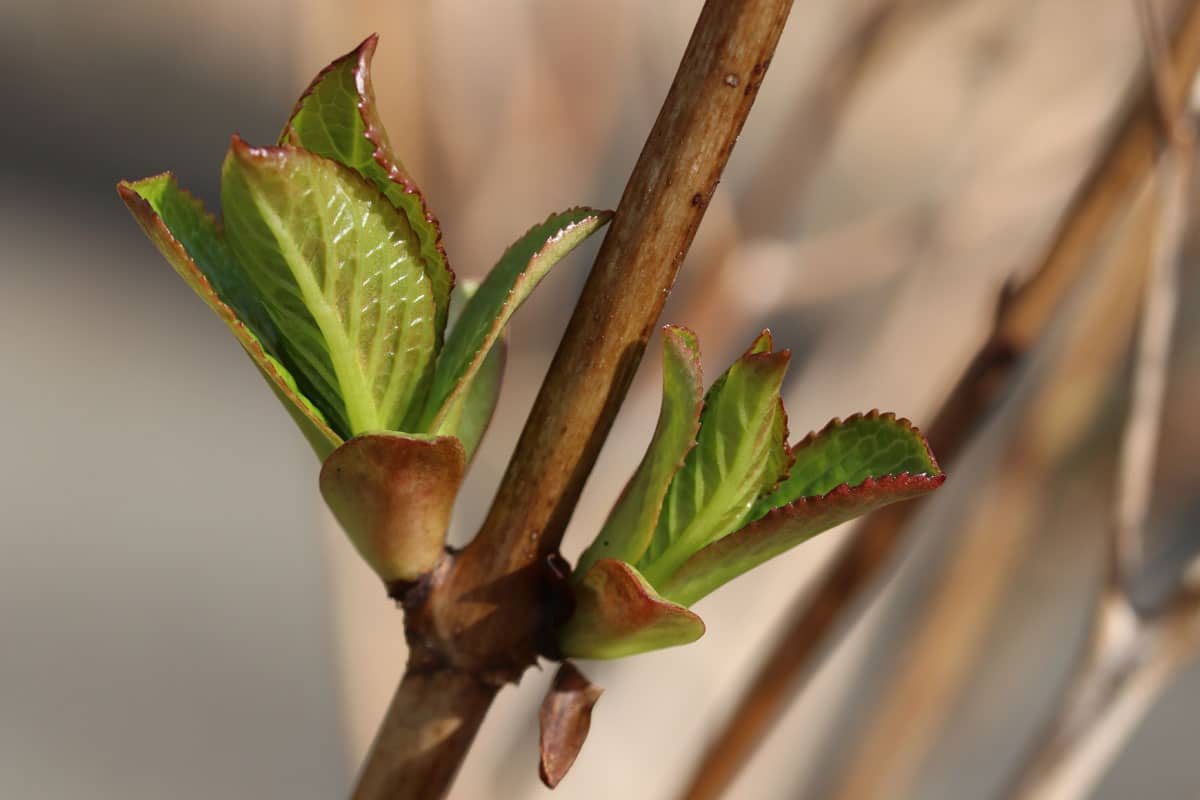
[179, 616]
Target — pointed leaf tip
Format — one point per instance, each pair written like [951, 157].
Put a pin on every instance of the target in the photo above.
[393, 495]
[564, 720]
[617, 614]
[337, 117]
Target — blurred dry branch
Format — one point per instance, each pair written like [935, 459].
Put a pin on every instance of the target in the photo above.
[1120, 170]
[1134, 653]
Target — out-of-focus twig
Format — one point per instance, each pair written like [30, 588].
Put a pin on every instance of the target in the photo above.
[1060, 415]
[790, 161]
[1133, 656]
[1161, 302]
[1120, 169]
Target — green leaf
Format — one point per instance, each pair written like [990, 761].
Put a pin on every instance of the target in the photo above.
[188, 237]
[393, 495]
[516, 275]
[337, 118]
[864, 446]
[735, 459]
[339, 274]
[627, 532]
[784, 528]
[475, 413]
[617, 613]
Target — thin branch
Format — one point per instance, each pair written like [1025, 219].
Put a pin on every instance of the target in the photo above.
[486, 614]
[1022, 317]
[1156, 653]
[1140, 443]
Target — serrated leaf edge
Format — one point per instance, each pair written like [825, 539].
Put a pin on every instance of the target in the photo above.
[873, 414]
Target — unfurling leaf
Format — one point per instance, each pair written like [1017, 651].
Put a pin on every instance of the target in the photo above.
[393, 495]
[340, 277]
[337, 118]
[741, 497]
[618, 613]
[564, 720]
[517, 273]
[738, 455]
[626, 534]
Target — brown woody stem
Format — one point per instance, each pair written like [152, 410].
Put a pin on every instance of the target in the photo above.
[484, 616]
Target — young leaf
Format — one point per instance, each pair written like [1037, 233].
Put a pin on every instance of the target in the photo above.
[339, 274]
[626, 534]
[189, 239]
[393, 495]
[475, 412]
[337, 118]
[784, 528]
[850, 452]
[517, 273]
[735, 459]
[617, 613]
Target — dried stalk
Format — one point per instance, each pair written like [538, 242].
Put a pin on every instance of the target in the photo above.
[1133, 658]
[1161, 302]
[1155, 655]
[487, 613]
[1021, 319]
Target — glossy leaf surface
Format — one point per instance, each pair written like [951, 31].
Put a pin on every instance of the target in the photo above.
[339, 274]
[189, 239]
[618, 613]
[393, 495]
[627, 532]
[736, 458]
[513, 278]
[337, 117]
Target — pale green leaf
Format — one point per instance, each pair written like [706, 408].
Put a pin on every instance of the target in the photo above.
[339, 274]
[627, 532]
